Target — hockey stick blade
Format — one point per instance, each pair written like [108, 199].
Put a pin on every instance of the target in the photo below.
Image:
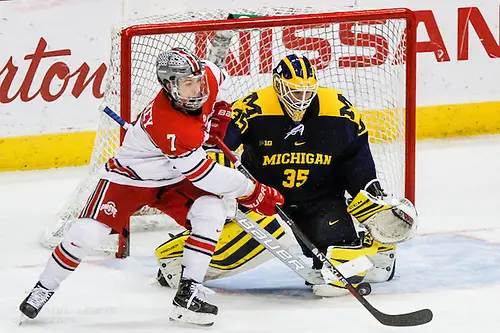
[415, 318]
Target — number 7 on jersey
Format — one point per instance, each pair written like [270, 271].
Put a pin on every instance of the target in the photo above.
[172, 143]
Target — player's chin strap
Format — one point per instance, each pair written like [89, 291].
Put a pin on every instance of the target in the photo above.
[408, 319]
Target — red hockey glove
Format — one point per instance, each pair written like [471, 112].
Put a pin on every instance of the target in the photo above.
[220, 120]
[263, 200]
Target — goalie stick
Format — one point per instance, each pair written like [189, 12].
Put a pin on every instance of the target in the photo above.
[415, 318]
[262, 236]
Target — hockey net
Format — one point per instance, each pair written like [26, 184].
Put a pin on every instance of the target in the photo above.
[368, 55]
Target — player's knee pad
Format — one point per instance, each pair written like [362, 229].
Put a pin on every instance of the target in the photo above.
[384, 264]
[341, 254]
[84, 235]
[207, 216]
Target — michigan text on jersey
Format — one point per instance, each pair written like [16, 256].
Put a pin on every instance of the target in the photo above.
[297, 158]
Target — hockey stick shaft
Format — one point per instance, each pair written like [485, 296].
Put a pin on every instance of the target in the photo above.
[408, 319]
[116, 117]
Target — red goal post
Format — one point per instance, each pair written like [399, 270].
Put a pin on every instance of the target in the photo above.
[369, 55]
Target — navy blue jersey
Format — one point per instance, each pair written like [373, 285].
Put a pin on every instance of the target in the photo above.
[325, 155]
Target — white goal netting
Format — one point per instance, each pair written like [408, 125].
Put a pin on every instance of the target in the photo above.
[363, 56]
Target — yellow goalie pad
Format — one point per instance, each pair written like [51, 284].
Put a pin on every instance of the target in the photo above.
[234, 248]
[339, 255]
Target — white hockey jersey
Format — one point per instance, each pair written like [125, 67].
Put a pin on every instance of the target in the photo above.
[163, 147]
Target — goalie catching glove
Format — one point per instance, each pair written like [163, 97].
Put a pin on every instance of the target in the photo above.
[389, 220]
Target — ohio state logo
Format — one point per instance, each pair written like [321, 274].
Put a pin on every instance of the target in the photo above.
[109, 208]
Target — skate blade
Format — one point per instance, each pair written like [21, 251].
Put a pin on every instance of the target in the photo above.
[23, 319]
[185, 316]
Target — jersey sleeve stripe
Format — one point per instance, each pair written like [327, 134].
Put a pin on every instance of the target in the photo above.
[193, 169]
[186, 154]
[114, 166]
[212, 166]
[202, 170]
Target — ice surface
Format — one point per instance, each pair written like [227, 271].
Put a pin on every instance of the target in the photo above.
[451, 267]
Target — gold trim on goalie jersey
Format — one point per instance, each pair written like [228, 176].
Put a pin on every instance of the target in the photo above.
[251, 106]
[332, 103]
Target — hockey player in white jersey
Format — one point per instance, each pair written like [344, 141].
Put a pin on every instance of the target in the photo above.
[161, 164]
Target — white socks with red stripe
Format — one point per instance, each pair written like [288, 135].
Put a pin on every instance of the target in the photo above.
[198, 251]
[82, 236]
[207, 216]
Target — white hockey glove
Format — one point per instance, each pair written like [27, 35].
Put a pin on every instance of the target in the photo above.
[389, 220]
[217, 51]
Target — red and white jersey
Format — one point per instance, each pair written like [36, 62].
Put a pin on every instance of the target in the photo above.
[163, 147]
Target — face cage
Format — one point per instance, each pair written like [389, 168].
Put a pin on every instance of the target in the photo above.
[295, 108]
[191, 103]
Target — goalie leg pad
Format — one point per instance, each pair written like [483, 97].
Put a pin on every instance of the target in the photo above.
[384, 264]
[341, 254]
[236, 251]
[169, 255]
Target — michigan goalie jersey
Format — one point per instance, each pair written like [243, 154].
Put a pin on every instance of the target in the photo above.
[326, 154]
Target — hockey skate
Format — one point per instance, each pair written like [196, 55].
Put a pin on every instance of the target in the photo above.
[190, 305]
[35, 301]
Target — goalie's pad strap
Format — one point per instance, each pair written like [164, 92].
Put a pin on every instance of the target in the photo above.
[365, 205]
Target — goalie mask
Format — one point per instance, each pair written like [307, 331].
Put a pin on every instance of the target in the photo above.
[295, 83]
[183, 78]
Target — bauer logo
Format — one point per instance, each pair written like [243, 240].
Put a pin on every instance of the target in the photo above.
[109, 208]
